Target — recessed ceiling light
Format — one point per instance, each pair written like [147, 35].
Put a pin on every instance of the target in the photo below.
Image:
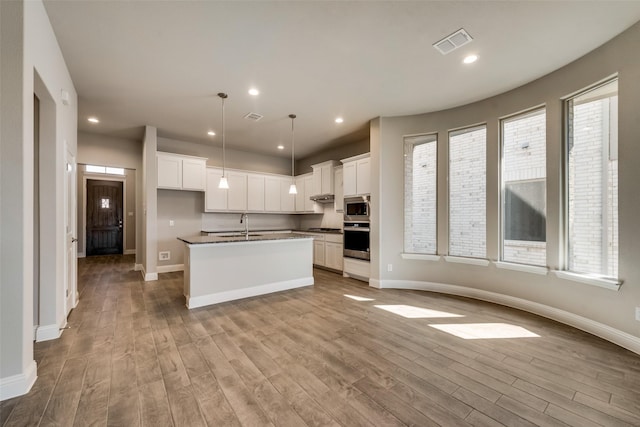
[253, 91]
[93, 120]
[211, 133]
[280, 147]
[470, 59]
[339, 120]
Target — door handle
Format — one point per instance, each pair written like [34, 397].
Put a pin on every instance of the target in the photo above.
[120, 223]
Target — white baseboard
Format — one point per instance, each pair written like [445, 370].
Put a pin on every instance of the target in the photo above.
[17, 385]
[147, 277]
[170, 268]
[82, 255]
[48, 332]
[623, 339]
[129, 252]
[201, 301]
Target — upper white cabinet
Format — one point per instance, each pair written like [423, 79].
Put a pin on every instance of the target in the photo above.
[178, 172]
[323, 177]
[287, 201]
[338, 201]
[272, 194]
[304, 204]
[356, 175]
[215, 199]
[237, 192]
[255, 193]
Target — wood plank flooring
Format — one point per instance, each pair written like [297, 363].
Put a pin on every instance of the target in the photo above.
[134, 355]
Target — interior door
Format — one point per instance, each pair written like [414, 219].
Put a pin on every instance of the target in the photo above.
[104, 217]
[70, 229]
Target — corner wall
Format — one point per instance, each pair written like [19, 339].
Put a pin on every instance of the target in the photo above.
[600, 311]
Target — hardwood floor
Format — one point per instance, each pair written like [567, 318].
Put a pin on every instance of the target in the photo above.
[134, 355]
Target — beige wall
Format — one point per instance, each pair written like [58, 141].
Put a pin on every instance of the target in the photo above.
[30, 61]
[333, 153]
[609, 308]
[235, 159]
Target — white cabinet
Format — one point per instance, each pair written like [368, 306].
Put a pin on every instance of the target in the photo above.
[333, 253]
[357, 175]
[327, 250]
[237, 192]
[300, 199]
[215, 199]
[272, 194]
[323, 178]
[178, 172]
[318, 252]
[338, 201]
[232, 199]
[287, 201]
[255, 193]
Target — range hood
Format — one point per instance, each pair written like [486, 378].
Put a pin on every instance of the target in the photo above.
[323, 198]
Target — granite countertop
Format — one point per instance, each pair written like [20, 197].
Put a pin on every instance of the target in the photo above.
[308, 230]
[201, 240]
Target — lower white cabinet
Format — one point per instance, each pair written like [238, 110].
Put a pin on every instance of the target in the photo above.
[357, 269]
[333, 255]
[318, 252]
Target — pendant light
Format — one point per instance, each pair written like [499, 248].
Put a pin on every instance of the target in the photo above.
[292, 189]
[224, 184]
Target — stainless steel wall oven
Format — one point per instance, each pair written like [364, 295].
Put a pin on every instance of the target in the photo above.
[356, 239]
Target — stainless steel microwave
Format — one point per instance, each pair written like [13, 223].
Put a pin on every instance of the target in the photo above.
[356, 208]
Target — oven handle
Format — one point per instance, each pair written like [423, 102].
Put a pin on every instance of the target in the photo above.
[356, 229]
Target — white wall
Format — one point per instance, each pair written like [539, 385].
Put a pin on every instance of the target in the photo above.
[29, 48]
[608, 312]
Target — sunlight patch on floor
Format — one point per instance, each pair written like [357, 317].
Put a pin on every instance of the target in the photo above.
[411, 312]
[474, 331]
[357, 298]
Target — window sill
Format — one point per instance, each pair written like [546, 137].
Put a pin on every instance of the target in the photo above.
[522, 267]
[466, 260]
[610, 284]
[423, 257]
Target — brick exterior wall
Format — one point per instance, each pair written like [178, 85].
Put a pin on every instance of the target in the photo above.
[593, 190]
[524, 158]
[468, 193]
[420, 196]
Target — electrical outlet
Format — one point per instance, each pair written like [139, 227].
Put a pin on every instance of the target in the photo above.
[171, 223]
[389, 267]
[164, 256]
[638, 314]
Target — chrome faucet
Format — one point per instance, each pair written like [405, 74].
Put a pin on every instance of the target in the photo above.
[244, 218]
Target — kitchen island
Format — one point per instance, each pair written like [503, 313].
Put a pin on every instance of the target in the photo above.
[219, 269]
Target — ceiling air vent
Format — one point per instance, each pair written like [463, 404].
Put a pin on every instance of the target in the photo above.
[453, 41]
[253, 116]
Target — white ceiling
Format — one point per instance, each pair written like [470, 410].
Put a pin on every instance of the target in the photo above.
[161, 63]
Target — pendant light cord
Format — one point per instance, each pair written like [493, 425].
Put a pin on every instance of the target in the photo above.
[223, 96]
[293, 147]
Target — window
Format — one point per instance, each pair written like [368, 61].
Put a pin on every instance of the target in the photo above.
[467, 192]
[420, 167]
[104, 203]
[524, 195]
[592, 181]
[104, 169]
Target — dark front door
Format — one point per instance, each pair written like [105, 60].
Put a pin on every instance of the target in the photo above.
[104, 217]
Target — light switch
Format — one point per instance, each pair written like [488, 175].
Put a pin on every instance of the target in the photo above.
[171, 223]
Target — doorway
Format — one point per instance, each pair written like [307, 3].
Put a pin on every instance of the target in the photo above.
[104, 217]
